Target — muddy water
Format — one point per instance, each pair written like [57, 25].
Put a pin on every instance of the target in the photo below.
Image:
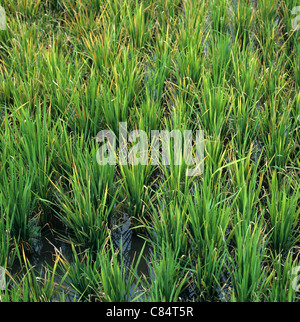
[131, 245]
[50, 244]
[47, 247]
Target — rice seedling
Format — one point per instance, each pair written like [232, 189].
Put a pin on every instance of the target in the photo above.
[282, 289]
[18, 203]
[83, 274]
[219, 50]
[208, 217]
[86, 197]
[283, 212]
[167, 276]
[247, 175]
[32, 287]
[245, 265]
[119, 284]
[5, 239]
[167, 10]
[277, 143]
[167, 225]
[208, 273]
[215, 157]
[61, 73]
[35, 148]
[212, 102]
[192, 36]
[116, 101]
[175, 179]
[242, 20]
[244, 129]
[135, 23]
[135, 179]
[208, 223]
[103, 277]
[268, 28]
[245, 64]
[149, 110]
[28, 9]
[88, 113]
[219, 15]
[102, 49]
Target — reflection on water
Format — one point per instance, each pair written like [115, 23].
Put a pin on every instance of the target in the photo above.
[46, 249]
[49, 245]
[131, 244]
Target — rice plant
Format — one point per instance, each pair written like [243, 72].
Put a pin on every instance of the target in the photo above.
[35, 286]
[103, 277]
[282, 205]
[87, 200]
[281, 289]
[246, 265]
[167, 225]
[168, 277]
[18, 203]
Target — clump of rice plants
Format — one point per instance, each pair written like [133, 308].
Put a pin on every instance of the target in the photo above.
[86, 201]
[167, 276]
[283, 211]
[246, 264]
[18, 202]
[167, 224]
[35, 286]
[135, 179]
[281, 285]
[102, 277]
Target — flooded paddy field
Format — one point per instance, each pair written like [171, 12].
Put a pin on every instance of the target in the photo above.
[149, 151]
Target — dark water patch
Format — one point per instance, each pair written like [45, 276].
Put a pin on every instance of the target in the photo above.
[46, 250]
[131, 244]
[48, 247]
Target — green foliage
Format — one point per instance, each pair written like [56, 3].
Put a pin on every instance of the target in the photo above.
[71, 68]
